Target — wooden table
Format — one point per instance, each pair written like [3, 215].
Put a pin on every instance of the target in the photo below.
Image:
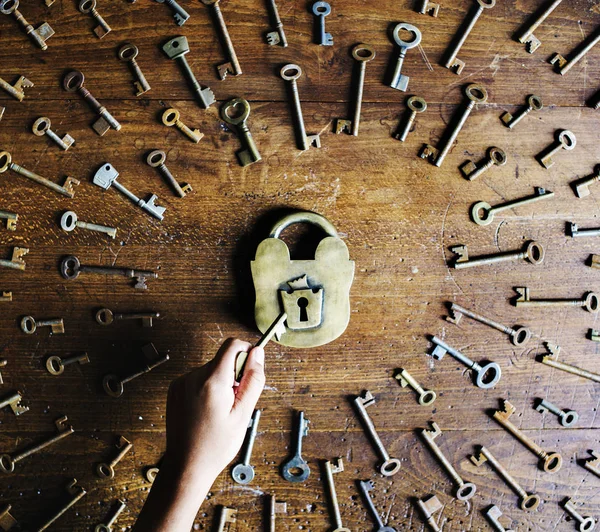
[398, 214]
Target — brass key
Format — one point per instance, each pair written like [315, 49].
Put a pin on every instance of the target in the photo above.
[532, 252]
[330, 470]
[171, 118]
[428, 507]
[17, 90]
[415, 105]
[590, 301]
[16, 262]
[14, 401]
[7, 521]
[106, 317]
[107, 470]
[582, 186]
[107, 527]
[56, 365]
[29, 325]
[562, 65]
[526, 36]
[277, 36]
[5, 297]
[41, 127]
[495, 157]
[128, 53]
[77, 493]
[89, 7]
[585, 524]
[233, 65]
[248, 155]
[38, 35]
[228, 515]
[482, 213]
[565, 140]
[534, 103]
[551, 360]
[11, 219]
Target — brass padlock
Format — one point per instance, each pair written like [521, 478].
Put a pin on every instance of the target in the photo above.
[315, 294]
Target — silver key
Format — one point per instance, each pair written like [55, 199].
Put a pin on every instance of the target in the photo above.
[106, 317]
[69, 221]
[56, 365]
[156, 159]
[41, 127]
[590, 301]
[38, 35]
[566, 140]
[128, 53]
[17, 90]
[321, 10]
[29, 325]
[277, 36]
[108, 526]
[365, 487]
[179, 14]
[228, 515]
[567, 418]
[16, 261]
[482, 213]
[415, 105]
[532, 252]
[89, 7]
[233, 65]
[493, 515]
[296, 469]
[534, 103]
[14, 401]
[581, 186]
[495, 157]
[330, 470]
[400, 81]
[243, 473]
[574, 231]
[562, 65]
[11, 219]
[584, 524]
[526, 36]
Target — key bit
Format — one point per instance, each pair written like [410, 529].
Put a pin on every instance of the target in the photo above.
[593, 464]
[16, 262]
[428, 7]
[11, 219]
[428, 507]
[493, 514]
[233, 65]
[180, 15]
[565, 140]
[7, 521]
[581, 186]
[278, 35]
[38, 35]
[14, 401]
[18, 89]
[275, 507]
[228, 515]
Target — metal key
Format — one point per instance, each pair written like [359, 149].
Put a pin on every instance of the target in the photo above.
[365, 487]
[296, 469]
[88, 7]
[41, 127]
[66, 189]
[551, 360]
[482, 213]
[277, 36]
[528, 502]
[534, 103]
[170, 118]
[493, 514]
[593, 464]
[532, 252]
[562, 65]
[128, 53]
[16, 262]
[566, 140]
[464, 490]
[400, 81]
[14, 401]
[179, 14]
[156, 159]
[426, 6]
[108, 526]
[590, 301]
[70, 268]
[330, 470]
[69, 221]
[77, 493]
[29, 325]
[574, 231]
[362, 54]
[415, 105]
[428, 507]
[389, 466]
[549, 462]
[243, 472]
[228, 515]
[452, 62]
[18, 89]
[426, 397]
[233, 65]
[38, 35]
[275, 507]
[291, 73]
[475, 94]
[567, 418]
[495, 157]
[526, 36]
[321, 10]
[73, 82]
[7, 521]
[585, 524]
[106, 317]
[56, 365]
[11, 219]
[8, 461]
[581, 186]
[107, 175]
[177, 49]
[248, 155]
[107, 470]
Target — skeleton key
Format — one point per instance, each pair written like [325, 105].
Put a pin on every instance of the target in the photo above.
[156, 159]
[426, 397]
[493, 514]
[593, 464]
[574, 231]
[365, 487]
[486, 376]
[107, 527]
[11, 219]
[400, 81]
[581, 186]
[275, 507]
[29, 325]
[77, 493]
[567, 418]
[18, 89]
[248, 155]
[170, 118]
[551, 360]
[69, 221]
[16, 262]
[415, 105]
[428, 507]
[56, 365]
[128, 53]
[532, 252]
[106, 317]
[584, 523]
[179, 14]
[495, 157]
[233, 65]
[330, 470]
[389, 466]
[277, 36]
[566, 140]
[7, 521]
[228, 515]
[475, 94]
[107, 470]
[8, 461]
[549, 462]
[66, 189]
[41, 127]
[89, 7]
[526, 36]
[243, 472]
[38, 35]
[534, 103]
[296, 469]
[590, 301]
[362, 53]
[14, 401]
[563, 65]
[107, 175]
[482, 213]
[321, 10]
[426, 6]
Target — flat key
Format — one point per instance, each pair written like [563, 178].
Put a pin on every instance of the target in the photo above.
[56, 365]
[428, 507]
[243, 472]
[493, 514]
[250, 154]
[330, 470]
[552, 361]
[11, 219]
[41, 127]
[365, 487]
[128, 54]
[590, 301]
[233, 65]
[483, 213]
[88, 7]
[534, 103]
[275, 507]
[38, 35]
[16, 262]
[415, 105]
[69, 221]
[495, 157]
[29, 325]
[526, 36]
[157, 159]
[277, 36]
[320, 11]
[562, 65]
[77, 493]
[106, 317]
[581, 186]
[565, 140]
[114, 515]
[532, 252]
[17, 90]
[400, 81]
[567, 418]
[296, 469]
[179, 14]
[228, 515]
[13, 400]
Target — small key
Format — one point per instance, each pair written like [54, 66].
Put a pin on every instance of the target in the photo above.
[73, 82]
[107, 175]
[551, 360]
[532, 252]
[426, 397]
[400, 81]
[77, 493]
[171, 118]
[66, 189]
[526, 36]
[228, 515]
[365, 487]
[428, 507]
[584, 523]
[41, 127]
[426, 6]
[574, 231]
[106, 317]
[482, 213]
[475, 94]
[7, 521]
[275, 507]
[296, 469]
[593, 464]
[107, 470]
[89, 7]
[590, 301]
[70, 268]
[567, 418]
[322, 10]
[243, 472]
[128, 53]
[38, 35]
[8, 461]
[18, 89]
[56, 365]
[233, 65]
[156, 159]
[563, 65]
[114, 385]
[176, 49]
[495, 157]
[389, 466]
[534, 103]
[16, 262]
[486, 376]
[108, 526]
[330, 470]
[277, 36]
[29, 325]
[528, 502]
[69, 221]
[362, 54]
[493, 514]
[415, 105]
[248, 155]
[565, 141]
[179, 14]
[581, 186]
[14, 401]
[11, 219]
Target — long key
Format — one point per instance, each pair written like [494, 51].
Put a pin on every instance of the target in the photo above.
[552, 361]
[415, 105]
[528, 502]
[14, 401]
[574, 231]
[8, 461]
[249, 154]
[389, 466]
[320, 11]
[590, 301]
[567, 418]
[38, 35]
[107, 469]
[77, 493]
[482, 213]
[7, 521]
[69, 221]
[107, 175]
[549, 462]
[157, 159]
[562, 65]
[11, 219]
[243, 472]
[532, 252]
[275, 507]
[330, 470]
[277, 36]
[16, 262]
[56, 365]
[362, 54]
[493, 514]
[106, 317]
[495, 157]
[179, 14]
[400, 81]
[534, 103]
[365, 487]
[593, 464]
[428, 507]
[41, 127]
[170, 118]
[427, 6]
[464, 490]
[581, 187]
[426, 397]
[296, 469]
[128, 53]
[583, 523]
[114, 515]
[88, 7]
[66, 189]
[228, 515]
[526, 36]
[17, 90]
[565, 140]
[453, 63]
[29, 325]
[233, 65]
[291, 73]
[177, 49]
[475, 94]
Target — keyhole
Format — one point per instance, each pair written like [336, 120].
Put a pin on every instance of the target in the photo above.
[303, 303]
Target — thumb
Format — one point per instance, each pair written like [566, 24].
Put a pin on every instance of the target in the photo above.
[252, 384]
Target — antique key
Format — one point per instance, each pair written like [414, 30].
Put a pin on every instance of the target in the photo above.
[581, 186]
[482, 213]
[107, 175]
[415, 105]
[532, 252]
[486, 376]
[29, 325]
[590, 301]
[73, 82]
[127, 53]
[179, 14]
[526, 36]
[38, 35]
[365, 487]
[243, 472]
[291, 73]
[70, 268]
[549, 462]
[428, 507]
[56, 365]
[156, 159]
[89, 7]
[427, 6]
[464, 490]
[551, 360]
[11, 219]
[107, 470]
[389, 466]
[362, 53]
[66, 189]
[277, 36]
[69, 221]
[400, 81]
[170, 118]
[248, 155]
[563, 65]
[593, 464]
[14, 401]
[574, 231]
[108, 526]
[18, 89]
[426, 397]
[228, 515]
[77, 493]
[528, 502]
[275, 507]
[534, 103]
[41, 127]
[584, 523]
[106, 317]
[495, 157]
[296, 469]
[16, 262]
[330, 470]
[8, 461]
[493, 514]
[565, 141]
[233, 65]
[475, 94]
[320, 11]
[567, 418]
[177, 49]
[7, 521]
[452, 62]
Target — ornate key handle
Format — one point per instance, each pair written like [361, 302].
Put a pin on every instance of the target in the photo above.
[407, 45]
[239, 119]
[70, 267]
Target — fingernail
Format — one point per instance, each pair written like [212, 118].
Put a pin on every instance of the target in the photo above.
[259, 355]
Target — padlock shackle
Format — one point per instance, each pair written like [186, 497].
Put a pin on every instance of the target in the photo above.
[303, 217]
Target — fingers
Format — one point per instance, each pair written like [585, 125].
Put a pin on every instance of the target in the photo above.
[224, 361]
[252, 383]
